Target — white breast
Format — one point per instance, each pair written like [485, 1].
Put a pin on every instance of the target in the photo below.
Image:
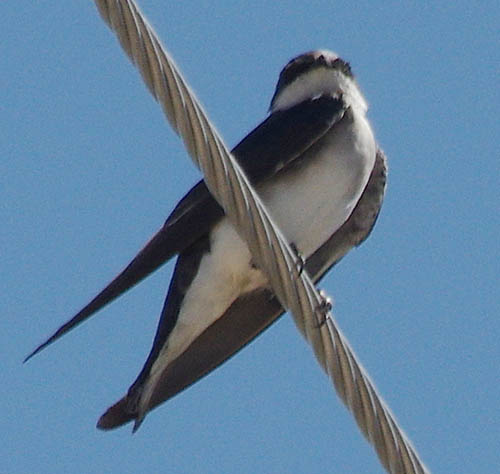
[311, 202]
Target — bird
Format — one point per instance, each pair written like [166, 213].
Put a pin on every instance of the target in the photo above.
[316, 165]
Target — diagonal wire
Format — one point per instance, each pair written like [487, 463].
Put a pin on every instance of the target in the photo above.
[229, 186]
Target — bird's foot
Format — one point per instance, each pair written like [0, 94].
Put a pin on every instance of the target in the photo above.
[301, 262]
[323, 309]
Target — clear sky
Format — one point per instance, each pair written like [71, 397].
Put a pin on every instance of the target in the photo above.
[90, 169]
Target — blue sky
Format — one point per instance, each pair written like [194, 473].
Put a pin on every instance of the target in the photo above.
[90, 169]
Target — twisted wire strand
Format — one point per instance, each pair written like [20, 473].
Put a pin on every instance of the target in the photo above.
[229, 186]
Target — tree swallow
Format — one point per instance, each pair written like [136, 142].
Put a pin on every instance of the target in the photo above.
[315, 164]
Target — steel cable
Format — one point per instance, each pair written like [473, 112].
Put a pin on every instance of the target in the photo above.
[273, 255]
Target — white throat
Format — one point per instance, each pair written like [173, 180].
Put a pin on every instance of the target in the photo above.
[318, 82]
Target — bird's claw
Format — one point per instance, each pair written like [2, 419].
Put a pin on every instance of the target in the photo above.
[301, 262]
[323, 308]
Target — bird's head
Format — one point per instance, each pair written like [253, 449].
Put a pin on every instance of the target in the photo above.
[312, 75]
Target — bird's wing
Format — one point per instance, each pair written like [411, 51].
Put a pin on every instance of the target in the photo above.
[253, 312]
[285, 135]
[274, 144]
